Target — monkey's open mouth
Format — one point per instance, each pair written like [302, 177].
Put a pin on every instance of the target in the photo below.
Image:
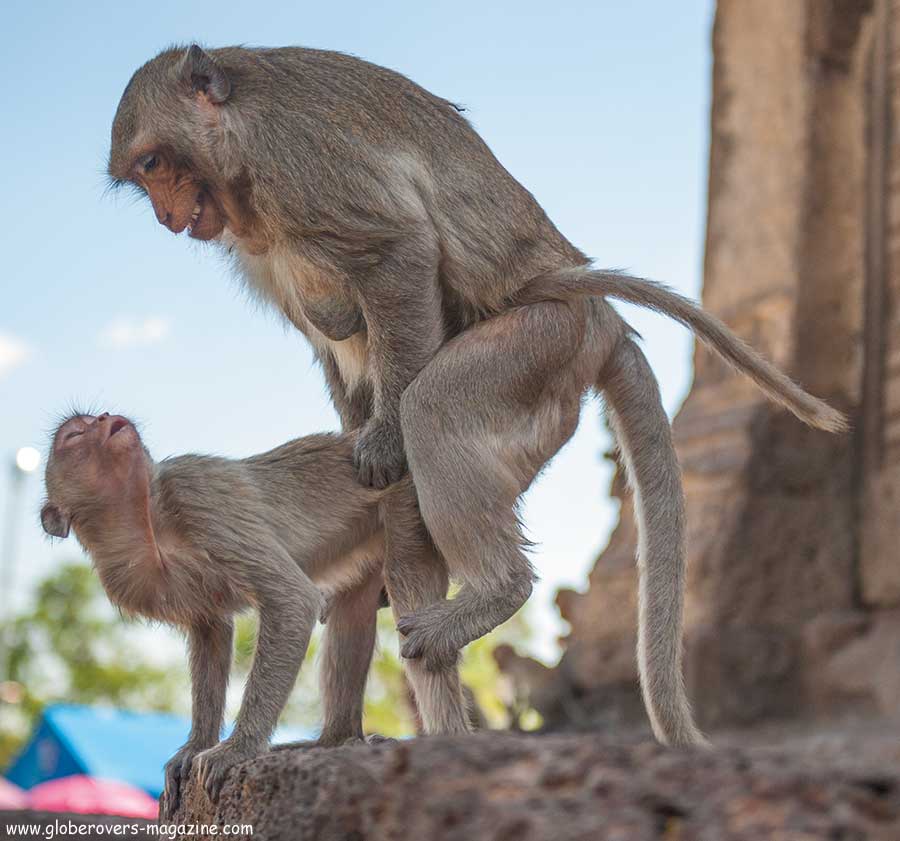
[197, 213]
[117, 426]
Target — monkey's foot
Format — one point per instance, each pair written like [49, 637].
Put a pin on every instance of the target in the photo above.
[178, 768]
[214, 764]
[429, 636]
[378, 457]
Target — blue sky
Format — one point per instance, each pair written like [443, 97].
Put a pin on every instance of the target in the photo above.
[599, 108]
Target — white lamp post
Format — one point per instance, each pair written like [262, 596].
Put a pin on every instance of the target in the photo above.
[26, 461]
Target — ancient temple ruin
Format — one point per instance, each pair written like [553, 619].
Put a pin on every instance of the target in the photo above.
[794, 535]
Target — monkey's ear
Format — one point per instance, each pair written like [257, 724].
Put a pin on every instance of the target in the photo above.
[55, 521]
[203, 74]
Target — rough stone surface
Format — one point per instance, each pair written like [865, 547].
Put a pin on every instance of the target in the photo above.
[503, 787]
[792, 533]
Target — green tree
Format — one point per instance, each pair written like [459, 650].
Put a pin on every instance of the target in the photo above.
[73, 646]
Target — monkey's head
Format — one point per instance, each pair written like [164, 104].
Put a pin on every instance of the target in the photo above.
[97, 465]
[167, 140]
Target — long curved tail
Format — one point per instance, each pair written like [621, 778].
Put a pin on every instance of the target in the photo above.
[644, 438]
[569, 283]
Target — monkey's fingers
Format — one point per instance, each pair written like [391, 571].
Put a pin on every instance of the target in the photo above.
[378, 456]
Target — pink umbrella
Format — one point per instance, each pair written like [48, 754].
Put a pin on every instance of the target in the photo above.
[89, 796]
[11, 796]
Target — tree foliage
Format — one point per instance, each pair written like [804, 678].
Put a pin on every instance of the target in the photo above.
[72, 646]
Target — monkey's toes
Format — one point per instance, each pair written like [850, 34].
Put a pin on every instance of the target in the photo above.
[214, 764]
[413, 647]
[177, 771]
[407, 624]
[437, 654]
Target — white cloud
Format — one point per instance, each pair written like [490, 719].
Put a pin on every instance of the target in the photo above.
[129, 332]
[13, 352]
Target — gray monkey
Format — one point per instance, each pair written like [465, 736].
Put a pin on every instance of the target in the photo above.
[191, 540]
[458, 329]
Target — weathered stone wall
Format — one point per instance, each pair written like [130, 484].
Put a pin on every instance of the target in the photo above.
[794, 535]
[503, 787]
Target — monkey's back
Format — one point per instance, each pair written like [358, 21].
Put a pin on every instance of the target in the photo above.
[304, 492]
[402, 151]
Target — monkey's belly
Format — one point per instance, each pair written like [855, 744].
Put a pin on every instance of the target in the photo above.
[314, 302]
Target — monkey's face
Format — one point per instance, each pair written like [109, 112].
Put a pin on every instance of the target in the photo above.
[96, 462]
[180, 200]
[166, 139]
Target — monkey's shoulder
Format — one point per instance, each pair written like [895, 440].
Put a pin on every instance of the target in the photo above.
[195, 488]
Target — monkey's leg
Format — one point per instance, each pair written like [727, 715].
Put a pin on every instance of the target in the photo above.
[492, 407]
[289, 604]
[210, 649]
[353, 407]
[401, 302]
[415, 576]
[346, 657]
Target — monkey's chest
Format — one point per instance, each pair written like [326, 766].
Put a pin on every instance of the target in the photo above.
[317, 303]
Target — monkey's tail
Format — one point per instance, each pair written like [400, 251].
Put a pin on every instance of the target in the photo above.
[778, 387]
[644, 438]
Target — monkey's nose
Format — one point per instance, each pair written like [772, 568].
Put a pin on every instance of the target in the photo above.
[163, 216]
[103, 416]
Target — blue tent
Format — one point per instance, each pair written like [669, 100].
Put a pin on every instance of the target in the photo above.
[108, 743]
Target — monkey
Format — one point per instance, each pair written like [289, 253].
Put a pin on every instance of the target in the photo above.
[496, 404]
[191, 540]
[457, 328]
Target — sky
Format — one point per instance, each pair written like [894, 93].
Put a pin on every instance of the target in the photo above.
[599, 108]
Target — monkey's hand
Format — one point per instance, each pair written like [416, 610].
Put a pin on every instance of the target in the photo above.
[214, 764]
[178, 768]
[428, 635]
[378, 456]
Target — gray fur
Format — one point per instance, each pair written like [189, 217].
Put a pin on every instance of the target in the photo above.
[194, 539]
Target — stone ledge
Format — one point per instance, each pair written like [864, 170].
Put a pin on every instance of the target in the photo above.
[513, 787]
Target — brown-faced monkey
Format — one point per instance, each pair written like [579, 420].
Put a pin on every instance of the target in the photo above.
[457, 327]
[193, 539]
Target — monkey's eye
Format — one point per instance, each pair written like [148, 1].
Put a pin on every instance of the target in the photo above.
[149, 163]
[73, 434]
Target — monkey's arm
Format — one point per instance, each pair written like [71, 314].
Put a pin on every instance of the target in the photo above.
[401, 303]
[353, 407]
[289, 604]
[210, 647]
